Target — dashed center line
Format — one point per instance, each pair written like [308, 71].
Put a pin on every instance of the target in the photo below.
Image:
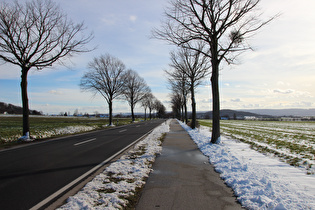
[83, 142]
[122, 130]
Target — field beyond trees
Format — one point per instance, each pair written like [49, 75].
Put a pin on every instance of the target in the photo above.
[292, 142]
[42, 127]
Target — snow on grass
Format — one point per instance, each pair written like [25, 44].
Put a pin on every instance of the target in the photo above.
[258, 181]
[116, 186]
[52, 132]
[62, 131]
[292, 142]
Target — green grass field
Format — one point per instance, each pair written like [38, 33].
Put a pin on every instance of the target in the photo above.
[293, 142]
[42, 127]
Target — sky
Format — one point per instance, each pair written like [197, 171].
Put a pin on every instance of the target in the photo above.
[278, 74]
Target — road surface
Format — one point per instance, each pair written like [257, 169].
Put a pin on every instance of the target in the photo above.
[31, 173]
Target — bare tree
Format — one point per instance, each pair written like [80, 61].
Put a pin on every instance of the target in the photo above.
[222, 25]
[195, 66]
[135, 88]
[146, 101]
[151, 105]
[180, 87]
[37, 34]
[177, 104]
[106, 77]
[160, 108]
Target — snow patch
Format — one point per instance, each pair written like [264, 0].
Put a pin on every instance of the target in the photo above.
[64, 130]
[26, 138]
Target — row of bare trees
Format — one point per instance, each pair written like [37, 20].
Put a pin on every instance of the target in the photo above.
[108, 77]
[188, 70]
[151, 103]
[221, 27]
[37, 34]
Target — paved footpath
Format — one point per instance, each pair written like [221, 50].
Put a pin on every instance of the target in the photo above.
[184, 179]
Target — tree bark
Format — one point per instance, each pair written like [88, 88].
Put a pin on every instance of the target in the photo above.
[132, 113]
[182, 118]
[145, 114]
[215, 101]
[26, 111]
[110, 105]
[193, 106]
[185, 107]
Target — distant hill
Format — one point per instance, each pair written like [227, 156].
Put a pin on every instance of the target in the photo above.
[232, 113]
[12, 109]
[283, 112]
[261, 113]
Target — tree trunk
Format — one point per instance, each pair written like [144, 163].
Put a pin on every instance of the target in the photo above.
[110, 106]
[215, 101]
[145, 114]
[182, 113]
[193, 106]
[26, 111]
[185, 107]
[150, 115]
[132, 113]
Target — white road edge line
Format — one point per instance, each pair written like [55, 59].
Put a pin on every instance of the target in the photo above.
[71, 184]
[83, 142]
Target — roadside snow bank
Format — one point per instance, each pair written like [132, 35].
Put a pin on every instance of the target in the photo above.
[258, 181]
[118, 183]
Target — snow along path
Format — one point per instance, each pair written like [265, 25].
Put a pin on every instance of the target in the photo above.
[120, 180]
[259, 181]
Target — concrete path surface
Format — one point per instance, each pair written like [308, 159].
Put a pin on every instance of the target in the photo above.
[184, 179]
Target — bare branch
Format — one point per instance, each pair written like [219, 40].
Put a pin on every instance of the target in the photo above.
[191, 21]
[221, 25]
[37, 34]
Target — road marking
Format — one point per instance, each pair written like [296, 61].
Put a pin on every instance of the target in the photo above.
[122, 130]
[83, 142]
[138, 126]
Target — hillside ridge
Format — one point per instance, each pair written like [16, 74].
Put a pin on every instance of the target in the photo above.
[13, 109]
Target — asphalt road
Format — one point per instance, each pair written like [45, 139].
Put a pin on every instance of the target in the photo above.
[31, 173]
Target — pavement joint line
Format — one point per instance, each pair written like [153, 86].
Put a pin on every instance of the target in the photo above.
[58, 193]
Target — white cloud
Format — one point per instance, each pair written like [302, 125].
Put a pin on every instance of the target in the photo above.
[283, 91]
[56, 92]
[206, 100]
[109, 20]
[132, 18]
[281, 83]
[236, 100]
